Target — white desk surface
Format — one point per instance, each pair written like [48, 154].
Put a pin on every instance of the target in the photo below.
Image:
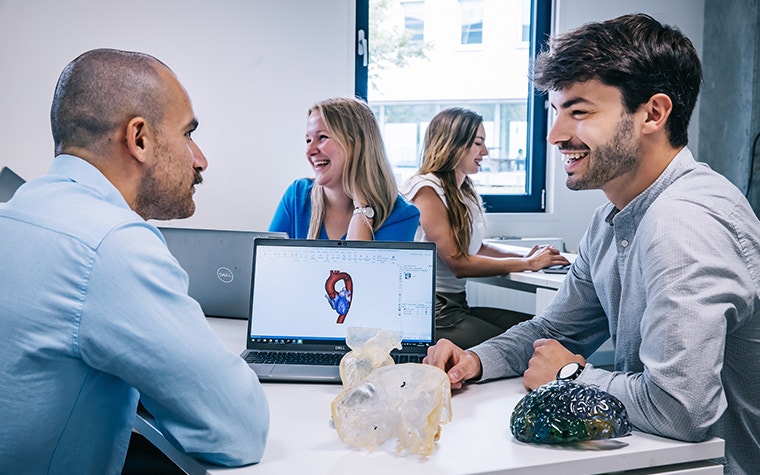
[529, 278]
[476, 441]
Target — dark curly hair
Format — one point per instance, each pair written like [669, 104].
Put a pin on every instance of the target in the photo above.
[634, 53]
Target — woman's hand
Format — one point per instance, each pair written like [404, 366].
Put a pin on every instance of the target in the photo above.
[544, 256]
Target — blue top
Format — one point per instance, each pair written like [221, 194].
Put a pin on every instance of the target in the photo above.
[294, 211]
[94, 313]
[674, 279]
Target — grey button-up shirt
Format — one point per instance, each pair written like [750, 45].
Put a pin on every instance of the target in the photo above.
[674, 279]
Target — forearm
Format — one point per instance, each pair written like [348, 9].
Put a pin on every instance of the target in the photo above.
[507, 355]
[483, 266]
[360, 228]
[494, 250]
[489, 260]
[686, 414]
[226, 424]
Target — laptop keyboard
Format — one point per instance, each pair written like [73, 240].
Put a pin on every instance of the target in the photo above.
[407, 358]
[293, 357]
[322, 359]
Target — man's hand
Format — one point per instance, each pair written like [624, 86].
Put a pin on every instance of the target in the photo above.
[460, 365]
[548, 357]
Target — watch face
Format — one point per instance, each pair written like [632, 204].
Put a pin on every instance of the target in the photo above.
[569, 371]
[366, 211]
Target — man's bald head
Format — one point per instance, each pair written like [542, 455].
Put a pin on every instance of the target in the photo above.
[101, 90]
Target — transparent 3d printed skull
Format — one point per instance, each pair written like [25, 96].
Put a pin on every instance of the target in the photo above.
[407, 401]
[370, 349]
[382, 400]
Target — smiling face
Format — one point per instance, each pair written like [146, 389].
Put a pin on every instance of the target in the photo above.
[470, 162]
[324, 152]
[166, 190]
[595, 135]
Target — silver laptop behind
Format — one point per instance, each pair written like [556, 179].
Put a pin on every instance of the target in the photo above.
[218, 264]
[307, 293]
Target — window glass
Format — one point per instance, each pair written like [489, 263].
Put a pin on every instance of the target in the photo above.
[414, 20]
[472, 21]
[421, 61]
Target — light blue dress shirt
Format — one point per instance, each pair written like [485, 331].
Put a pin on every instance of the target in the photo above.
[95, 314]
[674, 279]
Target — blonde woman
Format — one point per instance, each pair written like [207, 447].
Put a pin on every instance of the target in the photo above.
[452, 217]
[353, 194]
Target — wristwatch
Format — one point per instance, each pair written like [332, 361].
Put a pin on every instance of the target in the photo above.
[570, 371]
[365, 210]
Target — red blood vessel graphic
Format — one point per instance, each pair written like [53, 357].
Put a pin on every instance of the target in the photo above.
[340, 301]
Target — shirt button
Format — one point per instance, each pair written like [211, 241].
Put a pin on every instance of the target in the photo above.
[624, 243]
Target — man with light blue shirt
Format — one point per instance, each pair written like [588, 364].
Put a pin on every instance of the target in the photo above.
[94, 309]
[669, 269]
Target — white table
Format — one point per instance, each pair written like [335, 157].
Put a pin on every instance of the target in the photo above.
[476, 441]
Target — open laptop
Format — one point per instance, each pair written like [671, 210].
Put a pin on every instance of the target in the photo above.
[300, 303]
[9, 183]
[218, 264]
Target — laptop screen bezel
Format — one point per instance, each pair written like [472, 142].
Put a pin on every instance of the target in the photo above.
[337, 344]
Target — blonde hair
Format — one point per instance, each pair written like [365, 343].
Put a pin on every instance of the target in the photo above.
[351, 122]
[448, 138]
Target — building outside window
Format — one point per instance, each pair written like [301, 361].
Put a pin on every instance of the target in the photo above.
[414, 20]
[471, 12]
[427, 55]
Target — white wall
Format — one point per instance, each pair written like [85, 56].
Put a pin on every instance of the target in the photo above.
[252, 69]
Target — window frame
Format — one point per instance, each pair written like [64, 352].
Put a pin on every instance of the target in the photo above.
[534, 199]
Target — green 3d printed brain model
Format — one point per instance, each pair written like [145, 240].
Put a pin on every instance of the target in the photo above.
[566, 411]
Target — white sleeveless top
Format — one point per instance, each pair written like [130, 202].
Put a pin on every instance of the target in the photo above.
[446, 281]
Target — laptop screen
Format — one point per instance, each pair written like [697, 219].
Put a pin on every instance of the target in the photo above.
[9, 183]
[218, 265]
[311, 291]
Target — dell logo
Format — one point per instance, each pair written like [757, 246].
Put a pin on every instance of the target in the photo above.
[225, 275]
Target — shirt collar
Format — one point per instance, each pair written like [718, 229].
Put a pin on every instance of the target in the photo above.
[681, 164]
[82, 172]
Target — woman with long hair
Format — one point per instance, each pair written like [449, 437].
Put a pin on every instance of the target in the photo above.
[452, 216]
[353, 194]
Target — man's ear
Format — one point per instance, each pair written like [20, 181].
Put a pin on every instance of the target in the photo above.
[658, 110]
[139, 138]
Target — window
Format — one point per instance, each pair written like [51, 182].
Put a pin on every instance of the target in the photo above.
[525, 27]
[414, 20]
[472, 21]
[408, 77]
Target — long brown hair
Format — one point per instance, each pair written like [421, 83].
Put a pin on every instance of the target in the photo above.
[448, 138]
